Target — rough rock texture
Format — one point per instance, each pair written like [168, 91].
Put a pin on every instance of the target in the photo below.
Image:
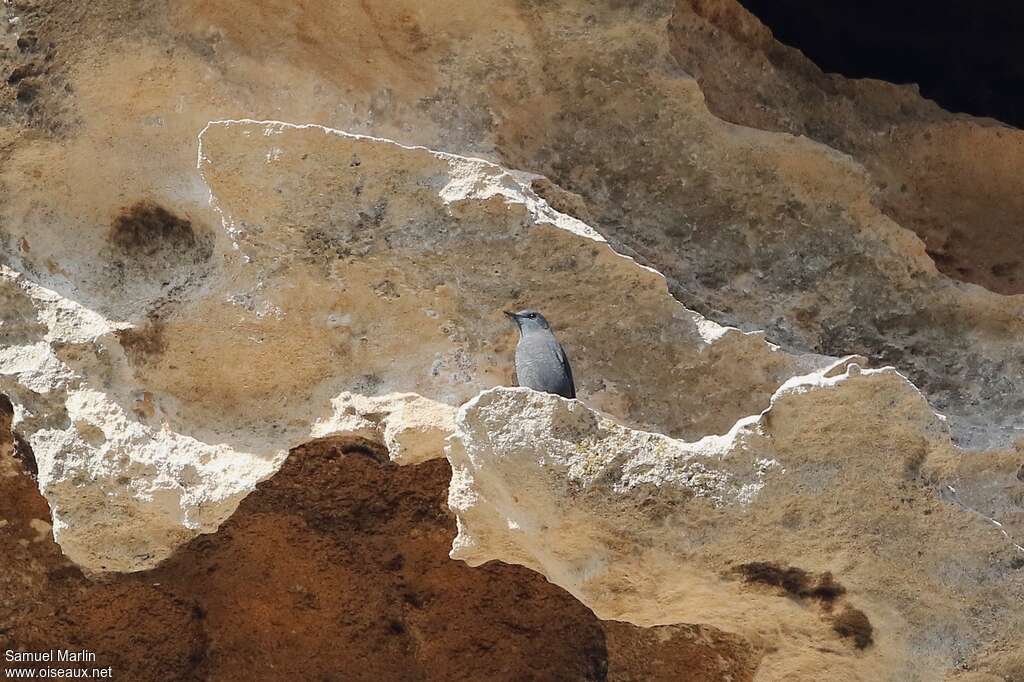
[411, 428]
[333, 252]
[828, 518]
[753, 227]
[953, 180]
[336, 568]
[171, 333]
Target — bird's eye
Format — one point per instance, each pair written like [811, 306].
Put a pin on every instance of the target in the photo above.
[532, 316]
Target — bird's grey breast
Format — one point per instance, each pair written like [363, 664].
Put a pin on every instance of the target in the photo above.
[542, 366]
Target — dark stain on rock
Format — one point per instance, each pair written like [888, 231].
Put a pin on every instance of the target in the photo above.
[144, 341]
[28, 42]
[146, 228]
[372, 218]
[827, 590]
[19, 447]
[27, 91]
[795, 582]
[147, 245]
[364, 448]
[851, 623]
[848, 622]
[23, 71]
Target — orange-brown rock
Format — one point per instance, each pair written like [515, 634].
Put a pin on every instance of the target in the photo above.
[336, 569]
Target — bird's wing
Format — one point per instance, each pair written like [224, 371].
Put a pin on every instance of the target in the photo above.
[564, 359]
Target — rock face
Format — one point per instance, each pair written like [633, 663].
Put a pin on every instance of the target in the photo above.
[333, 252]
[642, 172]
[809, 212]
[336, 567]
[947, 178]
[819, 518]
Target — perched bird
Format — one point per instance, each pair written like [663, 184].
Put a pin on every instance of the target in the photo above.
[541, 363]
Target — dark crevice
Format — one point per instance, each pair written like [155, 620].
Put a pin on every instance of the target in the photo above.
[9, 438]
[965, 56]
[23, 453]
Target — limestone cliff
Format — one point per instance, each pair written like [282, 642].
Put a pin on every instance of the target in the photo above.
[253, 258]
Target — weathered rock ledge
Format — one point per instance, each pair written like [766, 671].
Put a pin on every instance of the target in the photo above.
[344, 272]
[822, 529]
[349, 287]
[242, 348]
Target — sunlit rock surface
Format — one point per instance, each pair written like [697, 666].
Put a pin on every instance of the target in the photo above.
[170, 332]
[771, 196]
[341, 266]
[826, 528]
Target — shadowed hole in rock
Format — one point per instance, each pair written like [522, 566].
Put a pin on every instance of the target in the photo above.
[11, 440]
[23, 451]
[337, 568]
[6, 419]
[22, 72]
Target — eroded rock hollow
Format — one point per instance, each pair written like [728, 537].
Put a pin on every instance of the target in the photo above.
[254, 409]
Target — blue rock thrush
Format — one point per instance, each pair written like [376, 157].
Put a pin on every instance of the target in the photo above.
[541, 363]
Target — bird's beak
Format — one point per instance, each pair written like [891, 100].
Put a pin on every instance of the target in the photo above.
[512, 316]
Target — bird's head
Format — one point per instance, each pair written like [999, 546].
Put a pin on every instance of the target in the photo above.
[528, 320]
